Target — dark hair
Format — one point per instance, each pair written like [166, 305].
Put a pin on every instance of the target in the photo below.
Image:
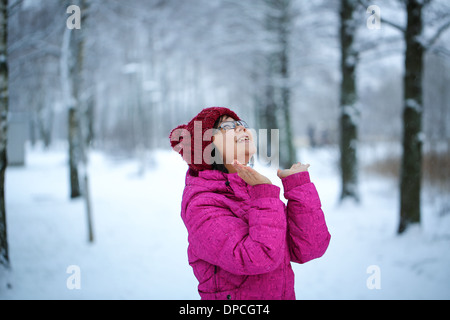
[218, 166]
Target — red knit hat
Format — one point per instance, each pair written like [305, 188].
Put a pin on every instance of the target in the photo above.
[181, 137]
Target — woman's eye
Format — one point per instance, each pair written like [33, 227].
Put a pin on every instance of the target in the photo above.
[227, 127]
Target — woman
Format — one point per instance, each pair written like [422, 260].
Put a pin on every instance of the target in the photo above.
[241, 236]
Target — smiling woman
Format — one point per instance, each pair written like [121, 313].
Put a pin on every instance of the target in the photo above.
[232, 141]
[242, 237]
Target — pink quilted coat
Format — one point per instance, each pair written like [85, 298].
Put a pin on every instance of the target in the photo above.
[242, 238]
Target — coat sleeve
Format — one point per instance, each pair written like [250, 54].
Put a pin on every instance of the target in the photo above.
[308, 235]
[218, 237]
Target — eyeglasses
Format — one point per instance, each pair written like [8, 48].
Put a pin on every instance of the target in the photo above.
[229, 125]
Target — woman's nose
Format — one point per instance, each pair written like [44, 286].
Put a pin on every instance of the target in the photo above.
[239, 128]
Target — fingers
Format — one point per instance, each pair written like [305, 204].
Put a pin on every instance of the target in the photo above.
[286, 172]
[240, 168]
[299, 165]
[281, 173]
[296, 167]
[245, 171]
[237, 165]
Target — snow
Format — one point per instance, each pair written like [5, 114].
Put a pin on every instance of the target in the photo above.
[140, 241]
[131, 68]
[413, 104]
[350, 61]
[353, 112]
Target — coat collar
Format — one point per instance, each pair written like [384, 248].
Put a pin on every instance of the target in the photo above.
[217, 181]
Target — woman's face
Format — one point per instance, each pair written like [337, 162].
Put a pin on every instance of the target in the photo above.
[234, 144]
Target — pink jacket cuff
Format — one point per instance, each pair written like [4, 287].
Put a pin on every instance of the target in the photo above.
[295, 180]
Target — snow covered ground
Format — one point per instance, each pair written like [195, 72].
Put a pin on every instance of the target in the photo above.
[140, 241]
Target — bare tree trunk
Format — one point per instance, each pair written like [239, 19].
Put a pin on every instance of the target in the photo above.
[289, 156]
[276, 113]
[74, 65]
[348, 103]
[82, 105]
[4, 255]
[70, 52]
[75, 190]
[78, 124]
[411, 171]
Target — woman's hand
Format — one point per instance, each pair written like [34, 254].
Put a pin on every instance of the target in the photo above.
[297, 167]
[250, 175]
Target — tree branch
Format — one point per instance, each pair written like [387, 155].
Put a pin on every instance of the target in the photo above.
[440, 51]
[394, 25]
[438, 33]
